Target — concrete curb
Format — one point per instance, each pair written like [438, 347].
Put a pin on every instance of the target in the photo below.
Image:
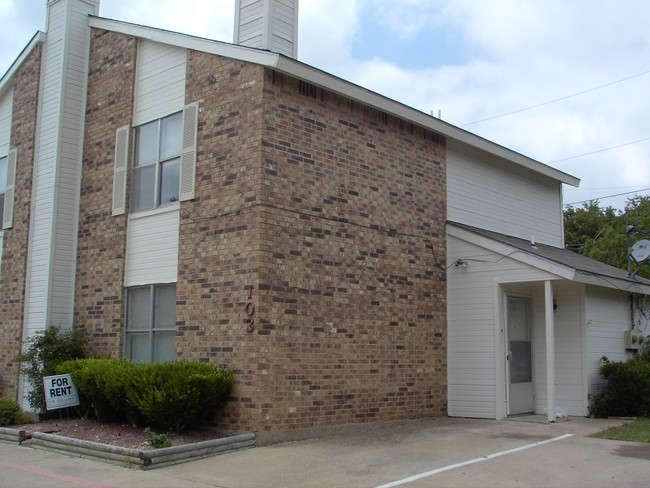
[130, 458]
[13, 436]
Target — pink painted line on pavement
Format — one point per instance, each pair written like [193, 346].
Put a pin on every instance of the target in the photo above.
[51, 474]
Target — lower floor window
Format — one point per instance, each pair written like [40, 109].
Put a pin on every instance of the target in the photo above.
[151, 323]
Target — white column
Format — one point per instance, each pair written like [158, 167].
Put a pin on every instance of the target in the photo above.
[550, 350]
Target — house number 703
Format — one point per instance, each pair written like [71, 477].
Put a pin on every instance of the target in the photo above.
[250, 311]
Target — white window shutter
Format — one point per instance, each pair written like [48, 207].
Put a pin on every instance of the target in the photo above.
[10, 190]
[120, 169]
[188, 156]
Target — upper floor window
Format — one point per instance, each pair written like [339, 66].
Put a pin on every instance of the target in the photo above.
[164, 161]
[4, 164]
[156, 163]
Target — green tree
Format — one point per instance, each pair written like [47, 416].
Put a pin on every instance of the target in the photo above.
[600, 233]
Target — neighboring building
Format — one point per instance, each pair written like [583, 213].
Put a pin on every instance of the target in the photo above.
[185, 198]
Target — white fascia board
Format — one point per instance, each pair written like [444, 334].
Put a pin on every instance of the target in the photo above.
[5, 81]
[562, 272]
[247, 54]
[302, 71]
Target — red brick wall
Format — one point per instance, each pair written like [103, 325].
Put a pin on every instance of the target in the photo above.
[219, 229]
[14, 252]
[353, 314]
[329, 209]
[99, 293]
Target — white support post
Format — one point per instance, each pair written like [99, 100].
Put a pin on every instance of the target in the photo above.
[550, 350]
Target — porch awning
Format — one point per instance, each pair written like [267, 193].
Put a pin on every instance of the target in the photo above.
[567, 264]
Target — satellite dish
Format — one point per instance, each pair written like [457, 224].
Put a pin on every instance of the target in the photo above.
[640, 251]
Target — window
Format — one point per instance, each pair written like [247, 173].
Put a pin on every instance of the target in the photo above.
[151, 323]
[156, 163]
[164, 161]
[4, 164]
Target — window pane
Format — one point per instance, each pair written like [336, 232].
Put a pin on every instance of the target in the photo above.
[170, 136]
[2, 211]
[139, 311]
[137, 348]
[521, 367]
[146, 144]
[165, 314]
[169, 179]
[143, 185]
[163, 346]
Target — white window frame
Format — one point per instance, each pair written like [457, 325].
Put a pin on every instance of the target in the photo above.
[157, 164]
[150, 329]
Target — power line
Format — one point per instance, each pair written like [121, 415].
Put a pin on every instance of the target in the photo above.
[557, 99]
[600, 150]
[609, 196]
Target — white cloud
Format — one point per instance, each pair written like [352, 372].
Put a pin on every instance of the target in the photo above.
[515, 53]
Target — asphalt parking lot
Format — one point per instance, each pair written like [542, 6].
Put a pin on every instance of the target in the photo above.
[424, 453]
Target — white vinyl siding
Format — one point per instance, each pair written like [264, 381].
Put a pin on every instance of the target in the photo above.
[608, 317]
[475, 337]
[152, 247]
[267, 24]
[570, 391]
[57, 168]
[493, 197]
[160, 81]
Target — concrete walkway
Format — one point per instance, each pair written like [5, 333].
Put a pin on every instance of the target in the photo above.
[425, 453]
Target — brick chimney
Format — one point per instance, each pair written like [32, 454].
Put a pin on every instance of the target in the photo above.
[268, 24]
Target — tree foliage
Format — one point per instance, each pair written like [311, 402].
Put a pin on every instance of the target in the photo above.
[600, 232]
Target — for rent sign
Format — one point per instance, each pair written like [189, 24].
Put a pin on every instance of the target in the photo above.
[60, 392]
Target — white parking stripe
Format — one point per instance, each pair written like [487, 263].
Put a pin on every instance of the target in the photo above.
[473, 461]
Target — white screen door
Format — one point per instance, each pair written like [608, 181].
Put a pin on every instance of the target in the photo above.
[520, 356]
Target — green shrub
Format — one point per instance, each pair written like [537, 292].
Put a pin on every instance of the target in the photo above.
[44, 351]
[10, 412]
[157, 441]
[627, 391]
[174, 395]
[170, 395]
[102, 384]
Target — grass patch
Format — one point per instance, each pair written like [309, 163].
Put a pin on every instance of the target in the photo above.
[635, 431]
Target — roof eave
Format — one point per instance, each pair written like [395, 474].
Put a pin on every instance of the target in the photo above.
[5, 81]
[332, 83]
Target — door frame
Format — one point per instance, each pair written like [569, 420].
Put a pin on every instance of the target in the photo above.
[506, 348]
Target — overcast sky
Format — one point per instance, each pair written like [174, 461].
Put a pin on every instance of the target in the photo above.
[582, 65]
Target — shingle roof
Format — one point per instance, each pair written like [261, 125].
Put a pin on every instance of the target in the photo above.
[564, 257]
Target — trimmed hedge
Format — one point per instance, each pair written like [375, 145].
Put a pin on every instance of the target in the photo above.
[174, 395]
[103, 384]
[627, 392]
[11, 413]
[171, 395]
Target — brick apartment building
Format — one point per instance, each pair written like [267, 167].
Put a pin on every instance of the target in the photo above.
[181, 198]
[300, 246]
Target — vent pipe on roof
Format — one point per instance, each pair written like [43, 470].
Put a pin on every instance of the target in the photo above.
[267, 24]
